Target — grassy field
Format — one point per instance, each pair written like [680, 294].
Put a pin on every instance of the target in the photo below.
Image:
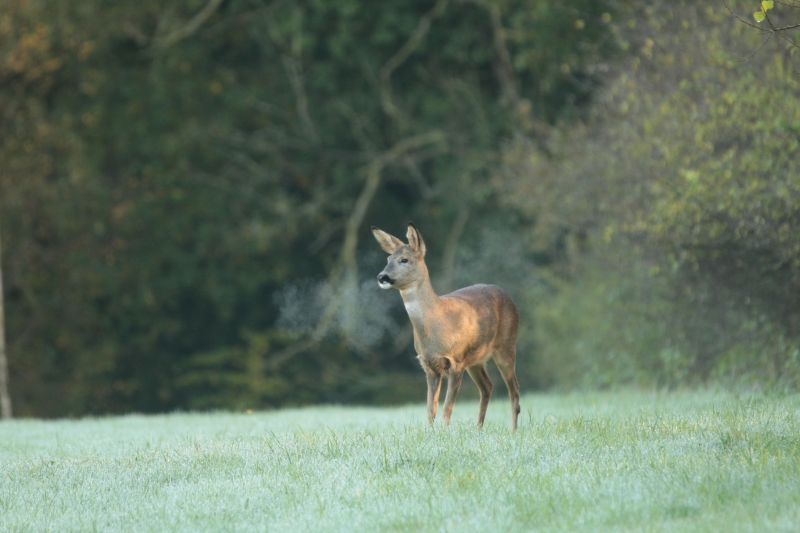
[628, 461]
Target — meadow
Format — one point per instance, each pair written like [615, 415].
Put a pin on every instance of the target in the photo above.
[611, 461]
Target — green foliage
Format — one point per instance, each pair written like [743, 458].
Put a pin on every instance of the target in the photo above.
[675, 208]
[717, 172]
[172, 177]
[233, 377]
[581, 463]
[162, 179]
[621, 322]
[606, 329]
[766, 5]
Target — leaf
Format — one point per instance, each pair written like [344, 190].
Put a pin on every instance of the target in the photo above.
[766, 5]
[759, 16]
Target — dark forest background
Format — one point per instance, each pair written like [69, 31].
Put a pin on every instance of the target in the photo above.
[186, 191]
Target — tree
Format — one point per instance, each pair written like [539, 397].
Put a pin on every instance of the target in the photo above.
[780, 23]
[170, 171]
[5, 398]
[677, 205]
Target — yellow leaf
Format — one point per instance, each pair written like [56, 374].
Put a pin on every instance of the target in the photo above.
[759, 16]
[608, 233]
[766, 5]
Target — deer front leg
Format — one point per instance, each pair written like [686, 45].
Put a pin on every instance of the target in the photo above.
[453, 384]
[434, 386]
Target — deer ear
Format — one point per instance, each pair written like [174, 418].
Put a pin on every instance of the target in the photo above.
[415, 239]
[389, 243]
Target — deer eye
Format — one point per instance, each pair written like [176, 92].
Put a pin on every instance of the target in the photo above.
[404, 260]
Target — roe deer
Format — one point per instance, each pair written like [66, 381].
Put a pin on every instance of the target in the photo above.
[456, 332]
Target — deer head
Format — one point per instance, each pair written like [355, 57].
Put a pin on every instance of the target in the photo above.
[405, 267]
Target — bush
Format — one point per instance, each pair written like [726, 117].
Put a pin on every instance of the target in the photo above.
[677, 207]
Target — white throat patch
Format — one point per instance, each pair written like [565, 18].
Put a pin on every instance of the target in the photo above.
[413, 309]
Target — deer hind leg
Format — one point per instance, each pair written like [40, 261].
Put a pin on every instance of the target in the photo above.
[453, 384]
[480, 376]
[506, 360]
[434, 386]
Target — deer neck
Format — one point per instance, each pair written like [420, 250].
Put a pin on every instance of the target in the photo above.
[420, 301]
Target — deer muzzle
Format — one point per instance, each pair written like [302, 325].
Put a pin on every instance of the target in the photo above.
[384, 281]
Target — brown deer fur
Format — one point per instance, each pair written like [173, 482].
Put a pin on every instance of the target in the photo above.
[456, 332]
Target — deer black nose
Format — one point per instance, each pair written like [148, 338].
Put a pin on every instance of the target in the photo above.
[384, 278]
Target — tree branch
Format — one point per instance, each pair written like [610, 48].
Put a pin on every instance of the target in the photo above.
[345, 268]
[424, 187]
[451, 247]
[294, 71]
[505, 71]
[188, 29]
[343, 275]
[416, 38]
[772, 30]
[292, 62]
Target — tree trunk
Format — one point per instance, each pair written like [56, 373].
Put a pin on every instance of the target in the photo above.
[5, 399]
